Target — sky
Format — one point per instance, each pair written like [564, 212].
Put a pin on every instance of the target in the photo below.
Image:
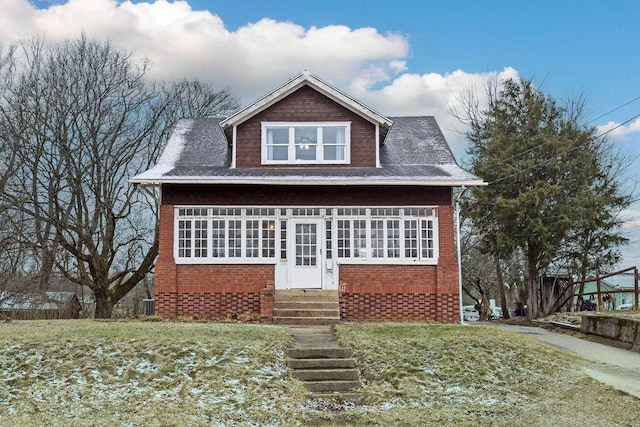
[408, 57]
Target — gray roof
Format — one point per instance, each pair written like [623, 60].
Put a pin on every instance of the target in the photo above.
[414, 152]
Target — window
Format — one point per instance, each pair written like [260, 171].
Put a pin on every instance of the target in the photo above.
[386, 234]
[204, 235]
[345, 235]
[305, 143]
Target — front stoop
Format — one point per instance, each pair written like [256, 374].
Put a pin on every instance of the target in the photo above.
[306, 307]
[326, 369]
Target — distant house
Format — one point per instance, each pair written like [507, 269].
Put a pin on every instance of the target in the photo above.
[308, 189]
[39, 305]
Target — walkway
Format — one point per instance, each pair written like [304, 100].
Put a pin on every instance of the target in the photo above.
[613, 366]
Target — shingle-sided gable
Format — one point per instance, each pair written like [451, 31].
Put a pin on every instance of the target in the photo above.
[305, 79]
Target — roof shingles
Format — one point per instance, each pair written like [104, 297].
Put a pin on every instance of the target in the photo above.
[414, 152]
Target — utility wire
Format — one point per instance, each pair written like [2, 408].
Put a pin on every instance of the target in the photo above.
[564, 154]
[522, 153]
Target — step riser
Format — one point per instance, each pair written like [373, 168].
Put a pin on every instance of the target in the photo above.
[331, 386]
[319, 353]
[306, 313]
[302, 299]
[305, 305]
[326, 374]
[321, 363]
[305, 321]
[306, 292]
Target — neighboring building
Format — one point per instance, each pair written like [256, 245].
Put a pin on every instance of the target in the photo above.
[39, 305]
[307, 188]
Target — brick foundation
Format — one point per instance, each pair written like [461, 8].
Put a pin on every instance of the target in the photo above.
[396, 293]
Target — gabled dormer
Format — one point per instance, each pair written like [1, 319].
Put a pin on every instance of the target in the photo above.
[306, 122]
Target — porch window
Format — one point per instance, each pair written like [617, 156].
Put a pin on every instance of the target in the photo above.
[306, 142]
[386, 234]
[346, 234]
[217, 234]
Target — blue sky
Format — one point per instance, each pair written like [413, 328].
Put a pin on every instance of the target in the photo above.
[401, 58]
[566, 46]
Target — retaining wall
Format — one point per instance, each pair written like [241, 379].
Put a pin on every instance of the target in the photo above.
[624, 329]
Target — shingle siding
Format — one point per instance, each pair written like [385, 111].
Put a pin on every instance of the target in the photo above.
[305, 105]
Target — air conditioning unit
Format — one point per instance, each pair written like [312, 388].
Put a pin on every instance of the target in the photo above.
[148, 307]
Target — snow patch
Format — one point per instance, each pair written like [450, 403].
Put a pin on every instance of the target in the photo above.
[171, 154]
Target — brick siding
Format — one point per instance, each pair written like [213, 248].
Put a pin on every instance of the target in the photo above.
[367, 292]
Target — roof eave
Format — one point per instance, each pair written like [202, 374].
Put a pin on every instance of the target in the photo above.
[309, 181]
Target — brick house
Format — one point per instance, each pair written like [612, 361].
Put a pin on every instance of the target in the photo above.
[308, 191]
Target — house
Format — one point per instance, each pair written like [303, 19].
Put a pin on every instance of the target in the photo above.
[308, 189]
[39, 305]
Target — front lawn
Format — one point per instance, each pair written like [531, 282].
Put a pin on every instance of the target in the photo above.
[168, 373]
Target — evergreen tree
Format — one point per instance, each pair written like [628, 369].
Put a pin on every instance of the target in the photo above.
[549, 182]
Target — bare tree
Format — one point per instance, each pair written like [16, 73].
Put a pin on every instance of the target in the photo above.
[86, 119]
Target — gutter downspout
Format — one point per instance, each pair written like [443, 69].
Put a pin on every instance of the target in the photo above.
[457, 209]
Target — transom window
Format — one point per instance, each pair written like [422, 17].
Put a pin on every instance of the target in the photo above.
[306, 142]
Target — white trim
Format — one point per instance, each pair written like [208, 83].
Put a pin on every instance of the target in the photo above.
[233, 147]
[302, 79]
[291, 156]
[278, 217]
[303, 180]
[378, 165]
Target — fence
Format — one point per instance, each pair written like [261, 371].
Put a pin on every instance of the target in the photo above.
[571, 292]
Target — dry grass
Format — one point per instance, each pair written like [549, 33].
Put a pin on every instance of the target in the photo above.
[162, 373]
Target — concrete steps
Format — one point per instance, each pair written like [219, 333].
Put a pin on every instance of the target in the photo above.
[306, 307]
[327, 369]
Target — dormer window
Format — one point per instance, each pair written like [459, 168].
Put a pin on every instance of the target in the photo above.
[305, 142]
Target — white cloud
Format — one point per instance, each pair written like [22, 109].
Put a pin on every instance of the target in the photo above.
[182, 42]
[616, 130]
[631, 218]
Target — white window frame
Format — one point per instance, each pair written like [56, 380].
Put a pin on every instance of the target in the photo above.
[402, 217]
[209, 217]
[426, 219]
[291, 153]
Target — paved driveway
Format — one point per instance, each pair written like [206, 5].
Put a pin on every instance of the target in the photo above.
[613, 366]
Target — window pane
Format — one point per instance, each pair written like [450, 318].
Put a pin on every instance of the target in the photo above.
[426, 238]
[278, 152]
[200, 238]
[218, 238]
[344, 238]
[393, 239]
[377, 239]
[306, 140]
[184, 239]
[235, 239]
[278, 144]
[279, 136]
[411, 238]
[268, 238]
[283, 239]
[333, 152]
[253, 239]
[333, 135]
[359, 238]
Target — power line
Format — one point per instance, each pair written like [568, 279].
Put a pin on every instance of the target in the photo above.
[547, 161]
[515, 156]
[614, 110]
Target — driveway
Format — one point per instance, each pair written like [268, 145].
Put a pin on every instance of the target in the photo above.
[613, 366]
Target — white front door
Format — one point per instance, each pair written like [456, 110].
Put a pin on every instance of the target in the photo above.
[306, 262]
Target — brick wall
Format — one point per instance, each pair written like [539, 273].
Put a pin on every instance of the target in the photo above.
[297, 195]
[367, 292]
[406, 292]
[305, 105]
